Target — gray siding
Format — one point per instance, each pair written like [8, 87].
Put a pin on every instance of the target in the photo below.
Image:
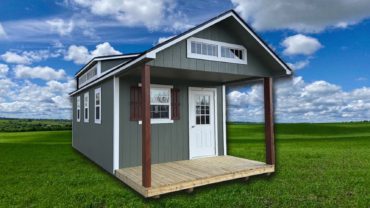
[176, 56]
[170, 142]
[96, 140]
[108, 64]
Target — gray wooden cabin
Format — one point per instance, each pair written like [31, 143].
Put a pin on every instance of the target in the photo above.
[157, 119]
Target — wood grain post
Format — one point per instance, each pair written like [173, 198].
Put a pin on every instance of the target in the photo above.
[146, 147]
[269, 121]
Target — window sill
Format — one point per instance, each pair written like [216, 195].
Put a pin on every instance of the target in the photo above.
[158, 121]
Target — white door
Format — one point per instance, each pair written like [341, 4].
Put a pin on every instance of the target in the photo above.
[202, 136]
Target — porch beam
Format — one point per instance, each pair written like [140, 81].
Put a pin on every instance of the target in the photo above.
[269, 122]
[146, 147]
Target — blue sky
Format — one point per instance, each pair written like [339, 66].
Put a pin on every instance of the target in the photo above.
[43, 43]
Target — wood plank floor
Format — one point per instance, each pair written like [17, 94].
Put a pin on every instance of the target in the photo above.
[186, 174]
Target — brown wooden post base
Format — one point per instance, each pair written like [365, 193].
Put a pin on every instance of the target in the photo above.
[190, 190]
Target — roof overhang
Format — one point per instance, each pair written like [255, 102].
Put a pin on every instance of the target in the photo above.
[103, 58]
[152, 53]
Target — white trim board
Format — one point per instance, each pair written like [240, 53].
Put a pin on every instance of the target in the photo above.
[116, 130]
[92, 61]
[224, 118]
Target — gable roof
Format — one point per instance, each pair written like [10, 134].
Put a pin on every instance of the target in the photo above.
[151, 53]
[109, 57]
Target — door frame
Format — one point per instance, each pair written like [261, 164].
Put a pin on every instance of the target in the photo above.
[214, 90]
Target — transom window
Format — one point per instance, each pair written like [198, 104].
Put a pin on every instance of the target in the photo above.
[89, 75]
[216, 51]
[204, 49]
[202, 107]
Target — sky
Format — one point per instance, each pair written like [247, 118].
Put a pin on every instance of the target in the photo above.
[44, 43]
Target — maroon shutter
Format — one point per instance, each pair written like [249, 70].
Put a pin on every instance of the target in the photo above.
[175, 104]
[135, 103]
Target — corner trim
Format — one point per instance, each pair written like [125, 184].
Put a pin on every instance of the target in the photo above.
[115, 123]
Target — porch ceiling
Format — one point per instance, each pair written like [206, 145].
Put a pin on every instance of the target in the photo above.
[186, 174]
[186, 75]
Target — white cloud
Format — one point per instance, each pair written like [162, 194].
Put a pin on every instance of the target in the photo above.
[81, 55]
[298, 101]
[2, 32]
[159, 14]
[299, 64]
[14, 58]
[162, 39]
[300, 45]
[3, 70]
[60, 26]
[303, 15]
[39, 72]
[29, 100]
[361, 79]
[28, 57]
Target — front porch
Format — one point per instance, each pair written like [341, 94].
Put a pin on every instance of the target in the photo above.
[187, 174]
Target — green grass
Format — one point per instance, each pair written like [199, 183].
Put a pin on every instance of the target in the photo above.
[318, 165]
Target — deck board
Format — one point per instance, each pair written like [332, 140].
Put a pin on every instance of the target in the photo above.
[185, 174]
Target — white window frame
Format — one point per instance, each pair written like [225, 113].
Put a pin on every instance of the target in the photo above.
[162, 120]
[97, 91]
[86, 106]
[218, 57]
[97, 66]
[78, 109]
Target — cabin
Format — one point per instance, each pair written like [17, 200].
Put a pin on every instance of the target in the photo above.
[157, 120]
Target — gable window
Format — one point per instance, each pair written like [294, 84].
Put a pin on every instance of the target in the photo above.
[87, 76]
[86, 107]
[216, 51]
[98, 105]
[78, 111]
[164, 104]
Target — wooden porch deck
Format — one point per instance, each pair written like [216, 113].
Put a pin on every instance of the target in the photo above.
[187, 174]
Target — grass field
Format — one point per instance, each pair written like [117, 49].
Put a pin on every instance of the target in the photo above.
[319, 165]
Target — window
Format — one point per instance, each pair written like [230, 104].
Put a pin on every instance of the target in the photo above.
[98, 106]
[232, 53]
[164, 104]
[202, 107]
[86, 107]
[216, 51]
[78, 111]
[87, 76]
[204, 49]
[160, 102]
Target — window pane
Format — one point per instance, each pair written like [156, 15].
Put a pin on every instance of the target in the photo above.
[199, 48]
[159, 111]
[192, 47]
[97, 112]
[159, 96]
[86, 112]
[198, 120]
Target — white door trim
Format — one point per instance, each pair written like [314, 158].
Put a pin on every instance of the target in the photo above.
[214, 90]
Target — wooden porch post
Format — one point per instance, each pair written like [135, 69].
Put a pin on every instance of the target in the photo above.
[269, 121]
[146, 147]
